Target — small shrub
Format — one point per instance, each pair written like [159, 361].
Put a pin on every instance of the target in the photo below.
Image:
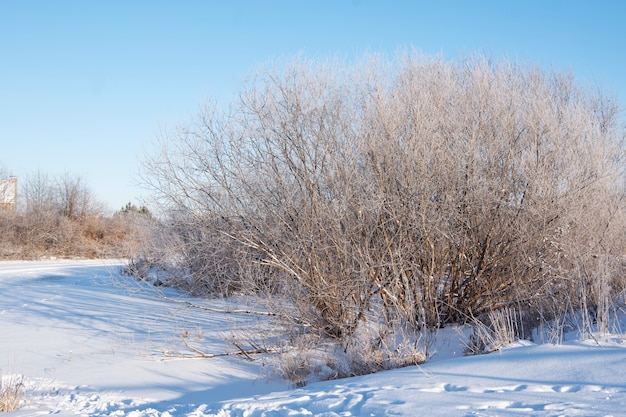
[296, 369]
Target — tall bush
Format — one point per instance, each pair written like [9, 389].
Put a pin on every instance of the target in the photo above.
[411, 193]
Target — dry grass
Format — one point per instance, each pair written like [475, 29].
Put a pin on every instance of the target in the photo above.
[500, 328]
[11, 388]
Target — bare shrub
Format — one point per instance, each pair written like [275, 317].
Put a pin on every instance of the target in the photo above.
[419, 192]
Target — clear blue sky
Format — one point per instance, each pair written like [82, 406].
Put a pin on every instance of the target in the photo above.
[85, 86]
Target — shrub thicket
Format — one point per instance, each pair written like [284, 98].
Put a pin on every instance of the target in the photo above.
[62, 219]
[376, 200]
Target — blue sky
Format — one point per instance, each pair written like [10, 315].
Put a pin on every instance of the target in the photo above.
[85, 86]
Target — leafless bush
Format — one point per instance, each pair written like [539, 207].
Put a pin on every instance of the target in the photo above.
[420, 191]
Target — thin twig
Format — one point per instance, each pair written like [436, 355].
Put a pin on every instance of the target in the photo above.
[218, 310]
[242, 352]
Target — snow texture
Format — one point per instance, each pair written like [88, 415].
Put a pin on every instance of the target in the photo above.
[90, 341]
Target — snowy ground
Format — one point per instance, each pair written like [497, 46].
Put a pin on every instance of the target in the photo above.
[91, 342]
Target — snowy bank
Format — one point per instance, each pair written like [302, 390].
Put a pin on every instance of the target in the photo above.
[92, 342]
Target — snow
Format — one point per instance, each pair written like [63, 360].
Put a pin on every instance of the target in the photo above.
[90, 341]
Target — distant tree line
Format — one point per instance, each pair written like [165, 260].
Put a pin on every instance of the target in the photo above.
[60, 217]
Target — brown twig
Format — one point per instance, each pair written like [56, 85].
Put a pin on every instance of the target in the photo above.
[218, 310]
[203, 355]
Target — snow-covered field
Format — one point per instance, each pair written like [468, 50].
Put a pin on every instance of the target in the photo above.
[92, 342]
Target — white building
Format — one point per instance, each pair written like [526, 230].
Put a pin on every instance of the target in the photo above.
[8, 193]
